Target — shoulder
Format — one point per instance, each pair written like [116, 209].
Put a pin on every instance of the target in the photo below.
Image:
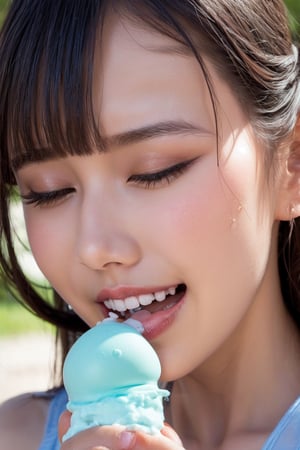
[22, 421]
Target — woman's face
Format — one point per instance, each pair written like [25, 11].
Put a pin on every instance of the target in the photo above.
[158, 209]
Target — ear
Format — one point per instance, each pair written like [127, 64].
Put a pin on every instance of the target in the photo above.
[288, 202]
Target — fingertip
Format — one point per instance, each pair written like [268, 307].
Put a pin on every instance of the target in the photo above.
[127, 440]
[63, 424]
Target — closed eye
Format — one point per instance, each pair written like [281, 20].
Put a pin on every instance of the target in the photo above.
[165, 176]
[47, 198]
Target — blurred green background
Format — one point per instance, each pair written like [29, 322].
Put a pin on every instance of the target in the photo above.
[14, 319]
[294, 9]
[3, 7]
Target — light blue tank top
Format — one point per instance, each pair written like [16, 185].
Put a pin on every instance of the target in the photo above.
[57, 406]
[286, 435]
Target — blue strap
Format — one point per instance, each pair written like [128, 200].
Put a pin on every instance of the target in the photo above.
[286, 435]
[57, 406]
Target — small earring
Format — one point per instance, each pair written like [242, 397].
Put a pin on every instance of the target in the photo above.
[70, 307]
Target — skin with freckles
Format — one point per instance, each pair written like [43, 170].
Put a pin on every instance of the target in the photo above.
[210, 223]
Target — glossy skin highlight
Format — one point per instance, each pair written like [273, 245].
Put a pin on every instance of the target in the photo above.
[211, 225]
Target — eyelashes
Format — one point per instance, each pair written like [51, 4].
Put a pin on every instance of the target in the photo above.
[46, 198]
[152, 180]
[146, 180]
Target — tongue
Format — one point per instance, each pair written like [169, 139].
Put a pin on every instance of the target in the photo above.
[144, 313]
[140, 315]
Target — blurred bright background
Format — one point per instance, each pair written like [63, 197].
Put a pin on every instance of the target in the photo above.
[26, 342]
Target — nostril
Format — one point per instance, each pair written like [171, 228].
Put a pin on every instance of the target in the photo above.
[107, 249]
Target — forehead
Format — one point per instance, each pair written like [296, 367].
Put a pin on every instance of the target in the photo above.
[141, 75]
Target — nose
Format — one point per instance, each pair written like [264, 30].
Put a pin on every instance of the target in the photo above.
[104, 239]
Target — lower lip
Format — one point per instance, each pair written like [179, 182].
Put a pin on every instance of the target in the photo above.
[158, 322]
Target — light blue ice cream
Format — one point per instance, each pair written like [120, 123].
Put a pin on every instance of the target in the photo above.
[111, 375]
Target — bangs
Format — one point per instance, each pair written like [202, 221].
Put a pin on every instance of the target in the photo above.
[47, 53]
[47, 66]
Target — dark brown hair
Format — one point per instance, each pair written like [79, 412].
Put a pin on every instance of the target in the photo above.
[46, 54]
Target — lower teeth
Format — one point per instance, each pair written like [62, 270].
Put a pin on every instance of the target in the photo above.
[168, 306]
[132, 311]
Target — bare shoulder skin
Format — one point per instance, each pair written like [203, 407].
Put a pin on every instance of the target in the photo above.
[22, 421]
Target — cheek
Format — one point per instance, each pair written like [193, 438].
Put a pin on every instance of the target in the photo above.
[48, 240]
[221, 260]
[211, 226]
[195, 210]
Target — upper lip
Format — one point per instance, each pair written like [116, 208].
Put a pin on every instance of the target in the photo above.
[121, 292]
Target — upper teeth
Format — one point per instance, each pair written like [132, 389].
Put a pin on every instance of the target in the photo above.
[134, 302]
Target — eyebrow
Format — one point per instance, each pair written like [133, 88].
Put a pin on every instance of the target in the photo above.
[159, 129]
[130, 137]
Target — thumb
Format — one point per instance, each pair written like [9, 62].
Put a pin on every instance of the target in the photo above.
[64, 424]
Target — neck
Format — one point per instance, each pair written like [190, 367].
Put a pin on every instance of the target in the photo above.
[246, 386]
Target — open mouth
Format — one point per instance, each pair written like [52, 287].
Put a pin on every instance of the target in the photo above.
[152, 302]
